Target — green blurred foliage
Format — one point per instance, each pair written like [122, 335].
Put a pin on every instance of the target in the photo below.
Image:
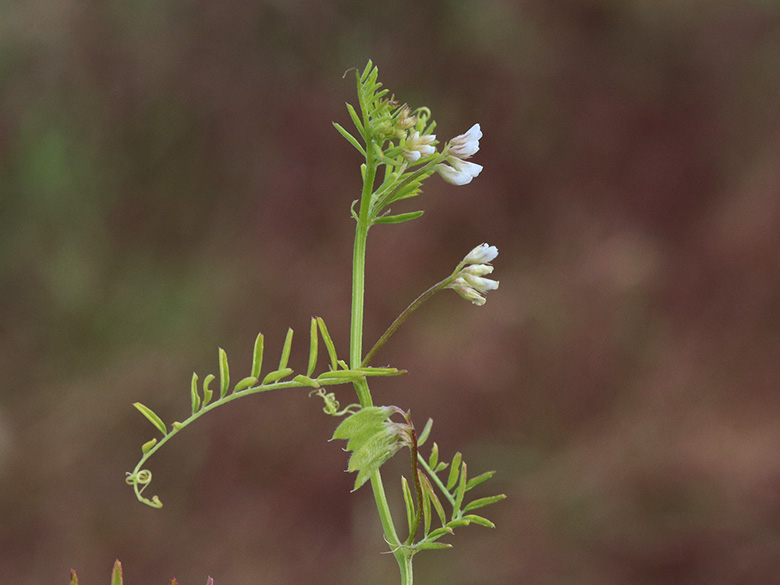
[170, 182]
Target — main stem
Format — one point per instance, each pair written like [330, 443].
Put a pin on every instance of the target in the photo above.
[401, 554]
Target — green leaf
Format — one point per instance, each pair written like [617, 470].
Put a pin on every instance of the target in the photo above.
[433, 546]
[426, 512]
[177, 425]
[428, 489]
[286, 350]
[371, 441]
[366, 71]
[153, 418]
[434, 459]
[378, 447]
[313, 347]
[194, 393]
[475, 481]
[276, 375]
[351, 139]
[247, 382]
[482, 502]
[426, 432]
[460, 491]
[406, 191]
[400, 218]
[372, 371]
[441, 467]
[146, 447]
[207, 392]
[474, 519]
[367, 470]
[454, 470]
[224, 374]
[306, 381]
[350, 375]
[356, 120]
[438, 533]
[74, 579]
[328, 343]
[366, 420]
[116, 574]
[257, 356]
[334, 380]
[409, 501]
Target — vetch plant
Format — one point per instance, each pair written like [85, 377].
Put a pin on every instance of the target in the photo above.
[397, 143]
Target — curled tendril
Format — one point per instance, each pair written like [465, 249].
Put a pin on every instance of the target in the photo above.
[139, 480]
[332, 405]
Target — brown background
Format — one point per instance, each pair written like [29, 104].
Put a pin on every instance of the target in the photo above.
[170, 182]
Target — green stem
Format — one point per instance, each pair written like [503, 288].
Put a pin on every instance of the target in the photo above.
[359, 265]
[437, 481]
[408, 311]
[402, 555]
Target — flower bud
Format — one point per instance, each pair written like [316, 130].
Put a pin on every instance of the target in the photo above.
[405, 119]
[418, 146]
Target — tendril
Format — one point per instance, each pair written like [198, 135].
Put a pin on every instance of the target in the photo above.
[140, 480]
[332, 405]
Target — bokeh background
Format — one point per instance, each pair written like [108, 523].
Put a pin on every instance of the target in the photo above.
[170, 182]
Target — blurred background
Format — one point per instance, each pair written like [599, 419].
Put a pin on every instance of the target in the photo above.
[170, 183]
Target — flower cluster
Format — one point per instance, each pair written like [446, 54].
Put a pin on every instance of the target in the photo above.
[470, 282]
[457, 170]
[418, 146]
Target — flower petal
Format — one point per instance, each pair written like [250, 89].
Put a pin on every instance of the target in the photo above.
[481, 254]
[452, 175]
[465, 145]
[481, 284]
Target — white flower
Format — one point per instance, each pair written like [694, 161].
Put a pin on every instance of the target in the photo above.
[470, 282]
[478, 269]
[481, 254]
[458, 172]
[464, 290]
[482, 285]
[419, 146]
[465, 145]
